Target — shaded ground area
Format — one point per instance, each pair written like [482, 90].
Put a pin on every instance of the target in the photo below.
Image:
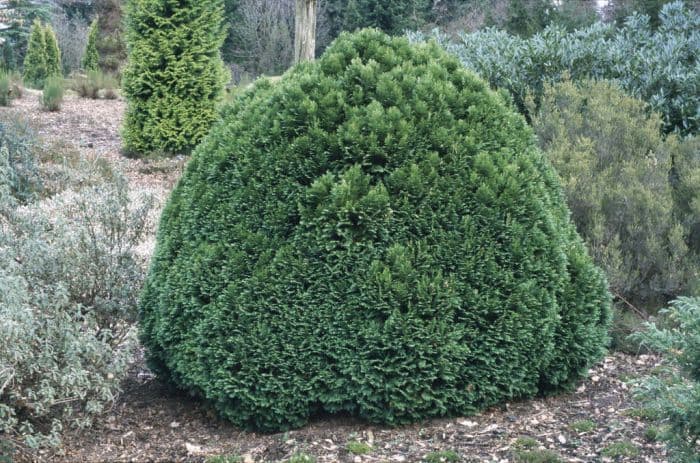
[599, 422]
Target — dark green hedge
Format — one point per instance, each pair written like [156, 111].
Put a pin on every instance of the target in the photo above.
[376, 233]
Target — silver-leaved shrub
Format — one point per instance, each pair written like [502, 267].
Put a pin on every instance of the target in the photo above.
[70, 271]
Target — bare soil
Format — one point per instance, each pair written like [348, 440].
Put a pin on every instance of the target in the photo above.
[598, 422]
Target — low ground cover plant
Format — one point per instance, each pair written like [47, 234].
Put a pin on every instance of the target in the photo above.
[375, 233]
[674, 394]
[95, 84]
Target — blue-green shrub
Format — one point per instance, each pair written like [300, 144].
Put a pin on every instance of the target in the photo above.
[659, 66]
[675, 392]
[376, 233]
[19, 148]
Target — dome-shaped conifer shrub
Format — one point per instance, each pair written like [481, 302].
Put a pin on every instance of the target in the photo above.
[378, 234]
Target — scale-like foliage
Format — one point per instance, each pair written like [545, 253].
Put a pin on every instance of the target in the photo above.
[376, 233]
[35, 59]
[53, 53]
[91, 58]
[675, 392]
[175, 76]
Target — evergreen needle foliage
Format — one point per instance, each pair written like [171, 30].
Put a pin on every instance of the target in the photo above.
[35, 59]
[53, 53]
[175, 76]
[675, 394]
[91, 58]
[376, 233]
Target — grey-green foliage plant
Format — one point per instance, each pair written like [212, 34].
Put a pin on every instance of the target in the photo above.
[685, 180]
[614, 166]
[69, 278]
[375, 233]
[175, 77]
[675, 392]
[5, 88]
[660, 66]
[52, 93]
[23, 176]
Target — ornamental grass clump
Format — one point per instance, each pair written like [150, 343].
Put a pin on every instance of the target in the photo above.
[378, 234]
[52, 95]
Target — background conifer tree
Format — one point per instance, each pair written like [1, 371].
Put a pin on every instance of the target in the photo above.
[91, 58]
[175, 76]
[53, 53]
[35, 59]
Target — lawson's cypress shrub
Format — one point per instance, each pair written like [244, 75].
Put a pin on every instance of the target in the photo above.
[35, 59]
[91, 58]
[175, 77]
[53, 53]
[376, 233]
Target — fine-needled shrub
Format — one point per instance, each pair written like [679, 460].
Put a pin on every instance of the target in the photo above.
[614, 166]
[35, 59]
[96, 84]
[5, 89]
[675, 392]
[91, 57]
[375, 233]
[175, 77]
[53, 53]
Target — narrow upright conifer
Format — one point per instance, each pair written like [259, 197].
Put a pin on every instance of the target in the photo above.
[35, 59]
[91, 58]
[175, 76]
[53, 53]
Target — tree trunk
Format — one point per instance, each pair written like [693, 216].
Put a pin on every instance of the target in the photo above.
[305, 31]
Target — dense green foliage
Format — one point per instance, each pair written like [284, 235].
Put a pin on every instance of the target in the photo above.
[175, 77]
[260, 32]
[621, 9]
[391, 16]
[35, 60]
[659, 66]
[675, 392]
[91, 58]
[69, 277]
[614, 166]
[18, 18]
[376, 233]
[53, 53]
[43, 58]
